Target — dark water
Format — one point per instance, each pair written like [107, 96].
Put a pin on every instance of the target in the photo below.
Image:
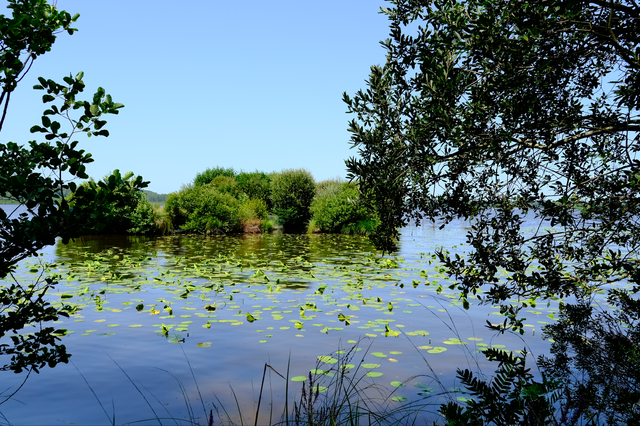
[294, 287]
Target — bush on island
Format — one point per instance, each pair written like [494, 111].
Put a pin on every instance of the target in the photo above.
[257, 185]
[337, 208]
[203, 210]
[208, 175]
[129, 214]
[291, 194]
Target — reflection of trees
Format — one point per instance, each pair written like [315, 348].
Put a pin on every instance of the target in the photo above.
[82, 248]
[278, 253]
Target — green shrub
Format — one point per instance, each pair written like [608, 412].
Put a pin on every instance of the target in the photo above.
[208, 175]
[145, 218]
[253, 210]
[329, 185]
[124, 213]
[227, 185]
[176, 207]
[257, 185]
[291, 195]
[203, 209]
[337, 208]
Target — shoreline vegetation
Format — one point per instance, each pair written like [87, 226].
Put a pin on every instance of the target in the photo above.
[222, 201]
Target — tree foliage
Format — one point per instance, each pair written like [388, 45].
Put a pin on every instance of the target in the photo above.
[208, 175]
[35, 176]
[203, 209]
[337, 208]
[500, 111]
[291, 194]
[123, 215]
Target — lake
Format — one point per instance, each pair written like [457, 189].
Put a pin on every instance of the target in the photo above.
[165, 325]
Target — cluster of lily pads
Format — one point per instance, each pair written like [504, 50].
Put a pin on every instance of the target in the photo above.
[276, 286]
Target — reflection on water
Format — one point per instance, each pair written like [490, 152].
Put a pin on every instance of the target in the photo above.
[218, 308]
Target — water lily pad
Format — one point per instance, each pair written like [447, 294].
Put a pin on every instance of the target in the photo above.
[327, 359]
[299, 379]
[374, 374]
[369, 365]
[399, 398]
[321, 372]
[204, 345]
[397, 384]
[454, 342]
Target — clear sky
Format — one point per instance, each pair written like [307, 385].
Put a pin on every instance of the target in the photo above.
[252, 85]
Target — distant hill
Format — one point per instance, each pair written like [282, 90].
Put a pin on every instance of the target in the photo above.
[154, 197]
[7, 201]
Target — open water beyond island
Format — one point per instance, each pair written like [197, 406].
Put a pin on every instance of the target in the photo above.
[166, 327]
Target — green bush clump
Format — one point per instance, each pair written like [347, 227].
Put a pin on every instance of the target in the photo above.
[143, 218]
[203, 209]
[337, 208]
[257, 185]
[291, 195]
[131, 214]
[254, 209]
[227, 185]
[230, 202]
[329, 185]
[208, 175]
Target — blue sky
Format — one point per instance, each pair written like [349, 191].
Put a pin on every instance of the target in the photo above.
[249, 85]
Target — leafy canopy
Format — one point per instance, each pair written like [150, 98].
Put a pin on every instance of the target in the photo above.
[35, 176]
[499, 111]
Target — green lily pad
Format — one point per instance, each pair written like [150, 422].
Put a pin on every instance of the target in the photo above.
[369, 365]
[321, 372]
[327, 359]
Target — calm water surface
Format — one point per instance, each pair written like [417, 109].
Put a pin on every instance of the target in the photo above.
[160, 318]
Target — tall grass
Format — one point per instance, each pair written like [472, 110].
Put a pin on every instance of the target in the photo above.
[334, 393]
